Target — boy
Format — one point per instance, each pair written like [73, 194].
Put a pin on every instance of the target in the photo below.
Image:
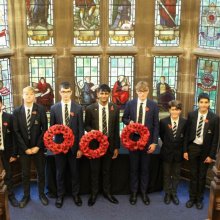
[30, 123]
[200, 147]
[172, 130]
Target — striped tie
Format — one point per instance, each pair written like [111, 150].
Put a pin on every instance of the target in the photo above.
[104, 122]
[140, 116]
[174, 129]
[199, 128]
[67, 117]
[29, 123]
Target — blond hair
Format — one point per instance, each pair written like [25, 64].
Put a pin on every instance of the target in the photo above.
[142, 86]
[28, 89]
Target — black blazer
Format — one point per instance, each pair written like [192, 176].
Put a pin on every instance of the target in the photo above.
[92, 123]
[151, 118]
[172, 148]
[76, 121]
[210, 133]
[38, 127]
[7, 130]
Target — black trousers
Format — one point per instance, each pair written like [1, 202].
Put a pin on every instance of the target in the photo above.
[103, 164]
[8, 172]
[61, 161]
[139, 170]
[171, 176]
[39, 162]
[198, 170]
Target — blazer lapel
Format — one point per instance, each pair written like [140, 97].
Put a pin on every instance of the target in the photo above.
[23, 117]
[194, 122]
[33, 114]
[96, 115]
[206, 126]
[59, 112]
[3, 126]
[146, 109]
[179, 128]
[135, 110]
[169, 127]
[111, 111]
[71, 112]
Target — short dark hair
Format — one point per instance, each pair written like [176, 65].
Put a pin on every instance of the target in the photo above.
[0, 98]
[104, 88]
[175, 103]
[203, 95]
[65, 85]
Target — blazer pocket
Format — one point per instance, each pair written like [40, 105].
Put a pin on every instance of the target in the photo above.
[36, 122]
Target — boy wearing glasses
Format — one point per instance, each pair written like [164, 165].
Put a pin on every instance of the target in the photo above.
[70, 114]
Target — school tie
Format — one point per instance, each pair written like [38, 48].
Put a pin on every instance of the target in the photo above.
[29, 123]
[140, 116]
[104, 122]
[67, 117]
[199, 128]
[174, 129]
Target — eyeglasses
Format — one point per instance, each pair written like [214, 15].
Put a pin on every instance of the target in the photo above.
[65, 92]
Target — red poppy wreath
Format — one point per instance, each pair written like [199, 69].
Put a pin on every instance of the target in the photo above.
[87, 138]
[68, 139]
[131, 129]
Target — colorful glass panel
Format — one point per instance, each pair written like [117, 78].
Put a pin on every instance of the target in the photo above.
[40, 22]
[167, 22]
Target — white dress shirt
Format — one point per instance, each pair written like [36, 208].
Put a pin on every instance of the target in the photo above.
[144, 110]
[26, 111]
[199, 140]
[100, 116]
[63, 110]
[177, 122]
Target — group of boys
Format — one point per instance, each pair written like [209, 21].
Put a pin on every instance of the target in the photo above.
[194, 139]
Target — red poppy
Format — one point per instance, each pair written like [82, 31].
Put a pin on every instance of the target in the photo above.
[68, 139]
[87, 138]
[5, 123]
[135, 128]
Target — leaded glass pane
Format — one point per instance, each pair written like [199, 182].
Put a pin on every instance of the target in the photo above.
[86, 27]
[121, 76]
[87, 74]
[40, 22]
[209, 29]
[167, 22]
[165, 80]
[207, 79]
[4, 36]
[121, 22]
[6, 85]
[42, 78]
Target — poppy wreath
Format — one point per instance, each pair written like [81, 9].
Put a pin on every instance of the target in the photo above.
[135, 128]
[68, 139]
[87, 138]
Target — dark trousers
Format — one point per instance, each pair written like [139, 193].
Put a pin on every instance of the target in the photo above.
[103, 164]
[139, 170]
[8, 173]
[198, 170]
[171, 176]
[61, 161]
[39, 162]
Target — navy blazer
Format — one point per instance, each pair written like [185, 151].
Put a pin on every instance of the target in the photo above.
[76, 121]
[92, 123]
[210, 133]
[172, 148]
[38, 126]
[151, 118]
[8, 135]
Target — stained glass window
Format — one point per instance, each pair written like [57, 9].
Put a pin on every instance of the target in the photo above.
[165, 80]
[87, 74]
[167, 22]
[209, 29]
[121, 76]
[6, 85]
[40, 22]
[86, 21]
[207, 80]
[4, 37]
[121, 22]
[42, 78]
